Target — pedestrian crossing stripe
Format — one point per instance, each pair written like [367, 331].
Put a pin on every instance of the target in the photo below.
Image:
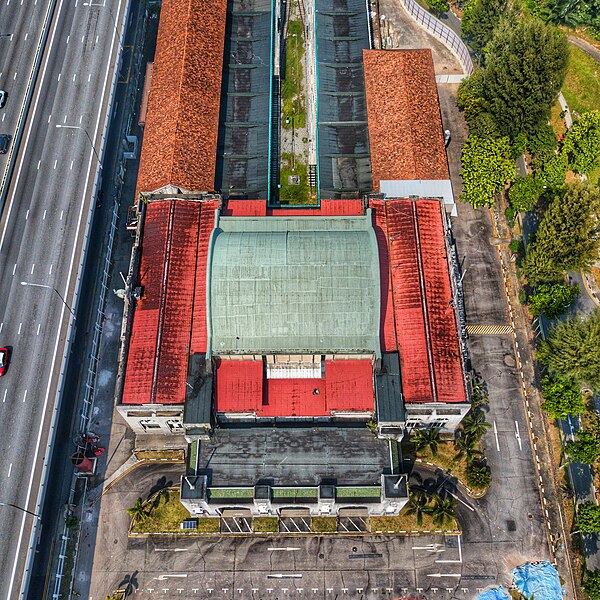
[489, 329]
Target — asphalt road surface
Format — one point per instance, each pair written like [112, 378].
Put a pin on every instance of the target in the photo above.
[20, 28]
[42, 233]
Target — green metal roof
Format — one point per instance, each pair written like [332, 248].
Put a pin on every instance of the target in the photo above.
[293, 285]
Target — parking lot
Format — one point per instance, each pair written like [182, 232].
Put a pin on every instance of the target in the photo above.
[361, 567]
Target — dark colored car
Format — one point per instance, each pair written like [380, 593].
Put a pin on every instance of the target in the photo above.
[3, 97]
[5, 143]
[4, 358]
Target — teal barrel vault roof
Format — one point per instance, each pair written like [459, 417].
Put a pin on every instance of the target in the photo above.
[293, 285]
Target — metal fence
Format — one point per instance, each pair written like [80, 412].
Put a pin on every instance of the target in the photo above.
[442, 32]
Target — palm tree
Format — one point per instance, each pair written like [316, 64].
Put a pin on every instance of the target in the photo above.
[465, 447]
[138, 512]
[442, 510]
[417, 505]
[475, 425]
[426, 438]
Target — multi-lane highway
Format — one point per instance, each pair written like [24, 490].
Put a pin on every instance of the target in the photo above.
[42, 238]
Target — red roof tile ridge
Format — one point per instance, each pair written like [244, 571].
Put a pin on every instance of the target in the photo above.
[161, 305]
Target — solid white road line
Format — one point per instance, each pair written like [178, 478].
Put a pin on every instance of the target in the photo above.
[38, 329]
[14, 268]
[496, 436]
[44, 217]
[9, 469]
[518, 435]
[32, 268]
[27, 215]
[50, 271]
[20, 326]
[59, 76]
[4, 397]
[25, 396]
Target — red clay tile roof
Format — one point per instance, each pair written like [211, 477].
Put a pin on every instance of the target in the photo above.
[405, 128]
[159, 346]
[180, 136]
[242, 388]
[425, 323]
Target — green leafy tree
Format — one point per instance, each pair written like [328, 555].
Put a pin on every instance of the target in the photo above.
[572, 350]
[519, 146]
[478, 476]
[138, 511]
[466, 447]
[582, 142]
[417, 505]
[474, 424]
[424, 439]
[483, 125]
[470, 96]
[542, 144]
[588, 517]
[567, 236]
[591, 584]
[438, 6]
[584, 450]
[526, 67]
[442, 510]
[562, 397]
[552, 300]
[525, 192]
[486, 167]
[553, 171]
[481, 19]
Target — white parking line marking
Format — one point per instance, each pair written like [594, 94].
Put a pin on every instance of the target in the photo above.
[96, 40]
[55, 163]
[80, 119]
[20, 326]
[25, 396]
[3, 116]
[38, 329]
[4, 397]
[44, 217]
[14, 268]
[9, 469]
[59, 77]
[49, 117]
[496, 436]
[69, 37]
[518, 435]
[26, 36]
[15, 75]
[61, 214]
[89, 77]
[1, 326]
[74, 75]
[50, 271]
[39, 163]
[32, 268]
[27, 215]
[71, 168]
[65, 119]
[82, 38]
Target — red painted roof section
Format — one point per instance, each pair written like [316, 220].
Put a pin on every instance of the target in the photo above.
[160, 339]
[426, 333]
[387, 323]
[180, 136]
[405, 126]
[177, 312]
[199, 334]
[245, 208]
[339, 208]
[347, 386]
[239, 386]
[442, 319]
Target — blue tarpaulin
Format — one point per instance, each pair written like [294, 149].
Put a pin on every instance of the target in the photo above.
[539, 580]
[494, 594]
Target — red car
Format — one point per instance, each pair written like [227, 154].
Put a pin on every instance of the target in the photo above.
[4, 356]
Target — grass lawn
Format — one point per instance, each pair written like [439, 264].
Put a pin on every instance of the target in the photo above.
[557, 122]
[323, 524]
[406, 522]
[291, 193]
[265, 524]
[445, 459]
[166, 515]
[293, 104]
[209, 524]
[582, 83]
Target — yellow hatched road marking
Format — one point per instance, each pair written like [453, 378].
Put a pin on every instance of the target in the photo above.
[489, 329]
